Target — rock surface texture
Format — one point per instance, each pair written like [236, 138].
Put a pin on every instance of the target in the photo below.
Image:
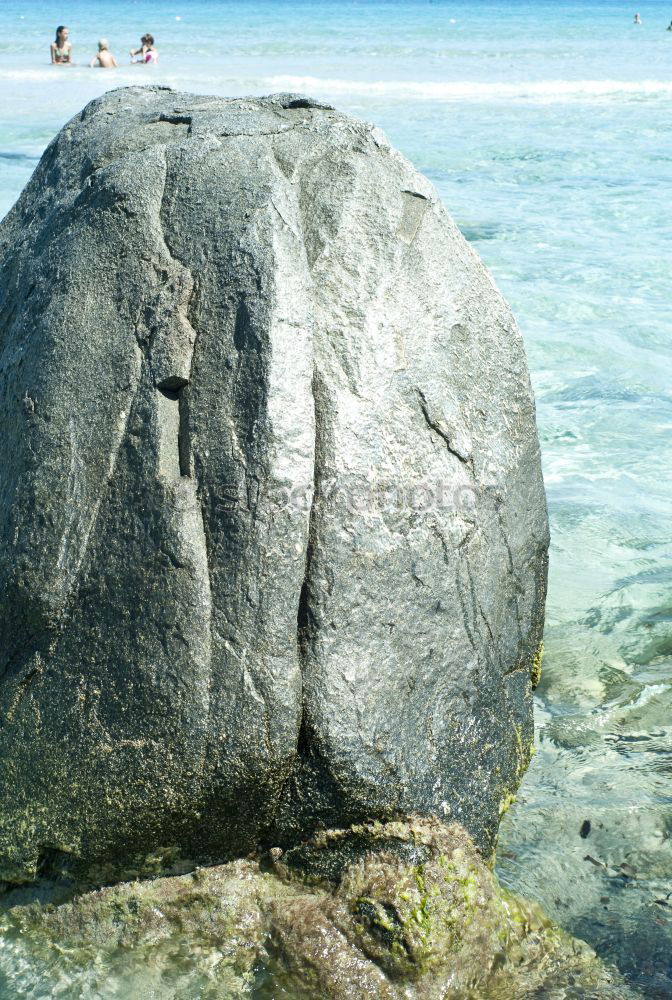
[272, 525]
[386, 911]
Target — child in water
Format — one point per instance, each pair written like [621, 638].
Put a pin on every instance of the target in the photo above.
[146, 52]
[104, 59]
[61, 49]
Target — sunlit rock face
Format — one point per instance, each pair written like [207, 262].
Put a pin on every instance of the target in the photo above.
[273, 532]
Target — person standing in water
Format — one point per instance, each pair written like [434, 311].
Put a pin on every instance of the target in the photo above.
[638, 19]
[104, 59]
[61, 49]
[146, 52]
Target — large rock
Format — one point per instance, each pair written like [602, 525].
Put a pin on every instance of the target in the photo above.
[273, 532]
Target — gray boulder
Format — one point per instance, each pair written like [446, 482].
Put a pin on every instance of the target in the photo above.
[273, 531]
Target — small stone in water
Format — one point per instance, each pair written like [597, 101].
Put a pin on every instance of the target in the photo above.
[585, 829]
[594, 861]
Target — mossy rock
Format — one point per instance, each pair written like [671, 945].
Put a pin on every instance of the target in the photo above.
[396, 911]
[440, 927]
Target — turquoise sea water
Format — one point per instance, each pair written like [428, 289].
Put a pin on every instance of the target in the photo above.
[547, 129]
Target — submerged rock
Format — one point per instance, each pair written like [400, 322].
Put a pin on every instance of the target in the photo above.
[400, 911]
[272, 525]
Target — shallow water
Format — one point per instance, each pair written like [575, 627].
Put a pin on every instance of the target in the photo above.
[546, 128]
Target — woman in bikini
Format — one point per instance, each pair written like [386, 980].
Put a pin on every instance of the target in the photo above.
[61, 49]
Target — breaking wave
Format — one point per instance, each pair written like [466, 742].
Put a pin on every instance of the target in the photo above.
[541, 90]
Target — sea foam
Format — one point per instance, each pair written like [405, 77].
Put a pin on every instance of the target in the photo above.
[542, 90]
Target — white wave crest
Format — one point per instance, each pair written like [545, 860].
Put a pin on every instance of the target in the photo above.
[185, 75]
[541, 90]
[51, 74]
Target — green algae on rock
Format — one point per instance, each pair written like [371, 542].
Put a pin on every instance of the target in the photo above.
[535, 675]
[395, 911]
